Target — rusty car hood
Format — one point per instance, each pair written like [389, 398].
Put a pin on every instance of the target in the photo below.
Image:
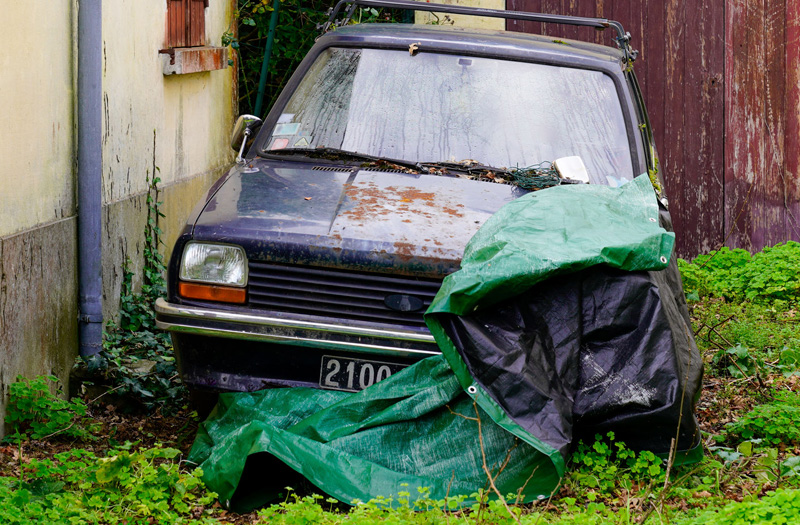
[300, 213]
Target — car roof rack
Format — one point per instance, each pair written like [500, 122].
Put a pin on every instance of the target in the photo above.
[623, 38]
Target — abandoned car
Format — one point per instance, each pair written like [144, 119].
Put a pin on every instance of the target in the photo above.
[312, 261]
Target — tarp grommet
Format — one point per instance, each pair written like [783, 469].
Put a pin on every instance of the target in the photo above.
[663, 260]
[472, 389]
[652, 219]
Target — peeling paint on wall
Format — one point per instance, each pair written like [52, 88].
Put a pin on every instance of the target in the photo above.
[38, 303]
[176, 127]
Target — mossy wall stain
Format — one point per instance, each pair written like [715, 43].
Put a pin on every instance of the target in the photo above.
[38, 303]
[175, 128]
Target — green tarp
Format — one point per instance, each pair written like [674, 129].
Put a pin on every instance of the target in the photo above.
[557, 231]
[420, 427]
[415, 429]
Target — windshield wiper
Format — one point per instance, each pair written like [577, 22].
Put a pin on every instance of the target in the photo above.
[340, 154]
[469, 167]
[531, 178]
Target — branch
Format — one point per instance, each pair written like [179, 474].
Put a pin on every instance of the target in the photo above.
[57, 432]
[519, 491]
[674, 443]
[463, 416]
[486, 468]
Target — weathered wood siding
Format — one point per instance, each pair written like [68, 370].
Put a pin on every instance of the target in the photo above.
[761, 107]
[721, 85]
[176, 24]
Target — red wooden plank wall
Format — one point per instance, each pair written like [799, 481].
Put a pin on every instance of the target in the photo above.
[761, 156]
[197, 22]
[722, 87]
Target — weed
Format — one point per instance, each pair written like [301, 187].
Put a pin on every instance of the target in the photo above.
[608, 466]
[137, 360]
[125, 486]
[767, 277]
[776, 422]
[33, 411]
[736, 361]
[741, 339]
[710, 274]
[781, 506]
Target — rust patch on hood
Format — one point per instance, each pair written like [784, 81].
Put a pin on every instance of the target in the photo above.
[372, 201]
[414, 218]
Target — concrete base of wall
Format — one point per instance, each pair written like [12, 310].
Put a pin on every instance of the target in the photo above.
[39, 280]
[123, 231]
[38, 304]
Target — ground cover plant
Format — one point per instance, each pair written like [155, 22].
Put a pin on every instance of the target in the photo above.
[92, 460]
[90, 468]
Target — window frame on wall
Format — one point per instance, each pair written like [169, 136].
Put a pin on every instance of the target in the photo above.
[186, 23]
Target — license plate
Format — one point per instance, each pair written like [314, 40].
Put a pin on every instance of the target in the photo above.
[352, 375]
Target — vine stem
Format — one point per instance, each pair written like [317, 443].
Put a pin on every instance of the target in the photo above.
[488, 472]
[486, 468]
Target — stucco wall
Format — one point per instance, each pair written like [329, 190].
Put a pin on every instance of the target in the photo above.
[38, 297]
[36, 93]
[38, 303]
[174, 126]
[175, 123]
[466, 20]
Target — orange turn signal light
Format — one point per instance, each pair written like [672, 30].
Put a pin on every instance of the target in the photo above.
[207, 292]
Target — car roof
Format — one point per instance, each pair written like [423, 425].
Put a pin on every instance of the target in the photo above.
[490, 42]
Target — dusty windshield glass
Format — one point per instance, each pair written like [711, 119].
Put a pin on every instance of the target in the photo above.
[435, 107]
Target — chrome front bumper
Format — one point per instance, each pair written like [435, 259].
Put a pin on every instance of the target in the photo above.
[272, 327]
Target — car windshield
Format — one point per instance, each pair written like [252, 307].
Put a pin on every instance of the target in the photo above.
[447, 108]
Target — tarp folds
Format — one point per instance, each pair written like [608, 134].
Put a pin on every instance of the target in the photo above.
[553, 232]
[582, 354]
[567, 319]
[416, 429]
[558, 326]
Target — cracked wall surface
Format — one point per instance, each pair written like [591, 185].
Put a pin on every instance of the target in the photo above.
[38, 303]
[39, 280]
[173, 127]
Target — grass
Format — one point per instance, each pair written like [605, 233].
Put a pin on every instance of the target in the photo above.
[82, 462]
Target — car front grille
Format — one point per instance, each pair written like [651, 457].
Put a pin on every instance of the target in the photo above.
[344, 294]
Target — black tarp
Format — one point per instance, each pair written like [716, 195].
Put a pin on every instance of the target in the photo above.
[596, 351]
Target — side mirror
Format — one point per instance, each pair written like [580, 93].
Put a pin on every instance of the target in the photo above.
[244, 128]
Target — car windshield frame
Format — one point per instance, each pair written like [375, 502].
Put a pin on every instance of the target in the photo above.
[613, 70]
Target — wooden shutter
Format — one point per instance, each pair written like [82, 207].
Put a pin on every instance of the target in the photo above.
[186, 23]
[197, 22]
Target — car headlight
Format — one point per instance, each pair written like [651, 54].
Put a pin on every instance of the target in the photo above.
[220, 264]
